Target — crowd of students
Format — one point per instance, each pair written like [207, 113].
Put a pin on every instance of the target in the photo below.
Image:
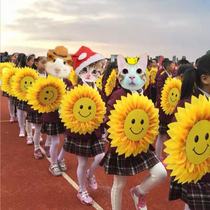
[195, 81]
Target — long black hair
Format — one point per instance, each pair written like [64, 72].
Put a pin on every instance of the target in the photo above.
[193, 76]
[36, 60]
[109, 69]
[183, 68]
[21, 59]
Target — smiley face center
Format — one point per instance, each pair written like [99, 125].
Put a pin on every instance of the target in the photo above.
[136, 125]
[81, 108]
[84, 109]
[26, 82]
[173, 96]
[198, 142]
[48, 95]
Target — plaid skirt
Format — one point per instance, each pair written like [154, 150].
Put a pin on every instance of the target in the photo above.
[52, 128]
[197, 196]
[34, 117]
[5, 94]
[86, 147]
[119, 165]
[15, 101]
[22, 105]
[163, 128]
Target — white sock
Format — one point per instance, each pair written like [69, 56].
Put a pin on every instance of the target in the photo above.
[54, 148]
[61, 154]
[159, 144]
[37, 136]
[48, 141]
[95, 164]
[116, 192]
[186, 207]
[11, 107]
[157, 175]
[81, 172]
[20, 114]
[29, 129]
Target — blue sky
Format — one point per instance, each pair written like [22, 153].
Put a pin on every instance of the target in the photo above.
[108, 27]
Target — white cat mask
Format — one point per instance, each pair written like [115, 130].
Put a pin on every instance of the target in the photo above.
[132, 77]
[58, 62]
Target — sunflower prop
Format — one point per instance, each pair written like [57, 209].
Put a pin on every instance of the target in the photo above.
[153, 73]
[98, 82]
[148, 80]
[111, 83]
[7, 80]
[189, 146]
[133, 124]
[5, 66]
[73, 77]
[23, 79]
[170, 95]
[82, 110]
[46, 94]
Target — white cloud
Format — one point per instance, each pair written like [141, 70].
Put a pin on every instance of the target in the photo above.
[111, 27]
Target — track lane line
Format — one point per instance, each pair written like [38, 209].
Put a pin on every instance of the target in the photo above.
[73, 184]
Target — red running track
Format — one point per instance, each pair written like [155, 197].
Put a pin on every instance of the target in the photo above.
[26, 183]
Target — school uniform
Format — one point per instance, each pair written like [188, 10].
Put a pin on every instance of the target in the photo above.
[33, 116]
[197, 196]
[118, 164]
[148, 92]
[51, 122]
[163, 118]
[104, 81]
[88, 145]
[5, 94]
[22, 105]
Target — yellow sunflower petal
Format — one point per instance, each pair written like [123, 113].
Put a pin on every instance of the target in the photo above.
[23, 79]
[8, 79]
[153, 72]
[6, 65]
[73, 77]
[148, 80]
[188, 148]
[133, 124]
[111, 83]
[170, 95]
[46, 94]
[82, 110]
[99, 83]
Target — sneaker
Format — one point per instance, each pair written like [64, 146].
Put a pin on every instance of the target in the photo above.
[55, 170]
[12, 120]
[92, 184]
[38, 154]
[41, 139]
[85, 198]
[139, 200]
[29, 141]
[33, 127]
[22, 134]
[47, 151]
[164, 164]
[62, 165]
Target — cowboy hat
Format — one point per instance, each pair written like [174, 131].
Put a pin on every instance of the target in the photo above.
[60, 52]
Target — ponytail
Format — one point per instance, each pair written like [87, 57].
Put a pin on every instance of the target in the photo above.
[22, 60]
[188, 83]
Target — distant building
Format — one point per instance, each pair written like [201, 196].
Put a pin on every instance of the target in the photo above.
[174, 59]
[113, 58]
